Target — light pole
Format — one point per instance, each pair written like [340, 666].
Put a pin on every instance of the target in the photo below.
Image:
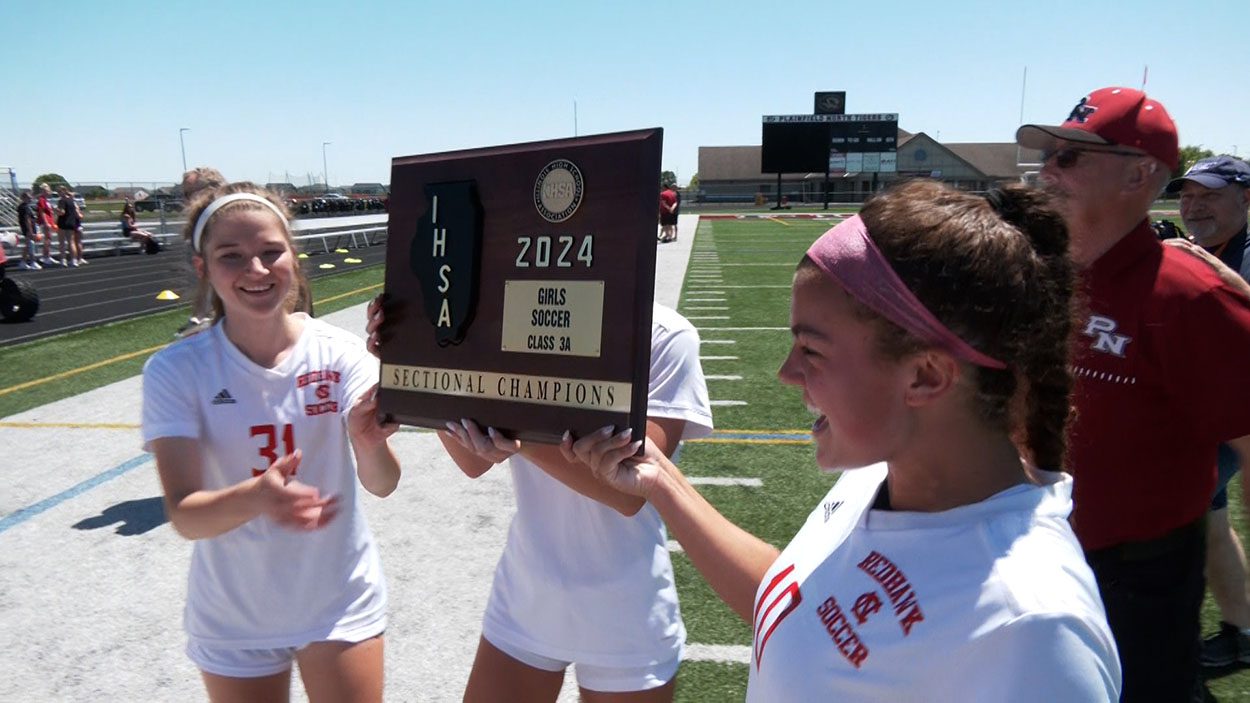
[325, 172]
[183, 144]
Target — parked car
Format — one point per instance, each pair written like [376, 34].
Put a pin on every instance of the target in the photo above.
[333, 203]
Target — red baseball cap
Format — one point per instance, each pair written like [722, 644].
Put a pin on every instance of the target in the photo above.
[1120, 116]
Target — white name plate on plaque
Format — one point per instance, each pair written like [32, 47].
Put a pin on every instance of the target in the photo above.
[553, 317]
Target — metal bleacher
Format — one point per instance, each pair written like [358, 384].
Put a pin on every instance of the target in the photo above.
[8, 208]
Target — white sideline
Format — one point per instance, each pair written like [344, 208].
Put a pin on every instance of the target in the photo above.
[731, 653]
[725, 481]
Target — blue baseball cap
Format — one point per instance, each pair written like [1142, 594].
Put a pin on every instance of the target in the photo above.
[1214, 172]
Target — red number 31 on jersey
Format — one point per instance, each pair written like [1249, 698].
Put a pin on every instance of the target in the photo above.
[269, 451]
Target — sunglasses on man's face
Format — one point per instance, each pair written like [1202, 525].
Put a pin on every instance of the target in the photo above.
[1069, 155]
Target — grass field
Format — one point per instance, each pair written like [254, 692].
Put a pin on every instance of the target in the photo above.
[756, 259]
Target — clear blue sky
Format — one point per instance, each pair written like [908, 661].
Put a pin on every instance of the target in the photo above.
[98, 91]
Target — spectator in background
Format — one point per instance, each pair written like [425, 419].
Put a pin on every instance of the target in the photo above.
[29, 226]
[1161, 381]
[146, 239]
[1214, 195]
[46, 217]
[668, 214]
[69, 227]
[198, 179]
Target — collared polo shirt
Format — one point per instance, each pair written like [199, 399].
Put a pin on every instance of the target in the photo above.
[1161, 379]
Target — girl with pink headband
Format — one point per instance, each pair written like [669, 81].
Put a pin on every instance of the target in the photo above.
[931, 337]
[263, 427]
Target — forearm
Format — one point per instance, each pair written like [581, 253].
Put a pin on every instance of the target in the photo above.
[732, 560]
[378, 468]
[579, 478]
[471, 464]
[208, 513]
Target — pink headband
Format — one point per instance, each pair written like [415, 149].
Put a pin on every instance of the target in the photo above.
[848, 255]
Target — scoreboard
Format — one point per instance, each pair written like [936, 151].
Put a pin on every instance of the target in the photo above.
[794, 146]
[814, 143]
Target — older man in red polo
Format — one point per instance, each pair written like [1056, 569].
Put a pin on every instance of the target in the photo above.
[1161, 381]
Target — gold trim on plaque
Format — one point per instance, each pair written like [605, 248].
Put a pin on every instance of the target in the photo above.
[587, 394]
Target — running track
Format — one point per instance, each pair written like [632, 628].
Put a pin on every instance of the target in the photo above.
[111, 288]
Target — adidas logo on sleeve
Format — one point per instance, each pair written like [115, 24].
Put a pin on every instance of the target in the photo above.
[223, 397]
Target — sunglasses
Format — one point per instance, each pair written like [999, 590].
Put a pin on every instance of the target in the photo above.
[1067, 157]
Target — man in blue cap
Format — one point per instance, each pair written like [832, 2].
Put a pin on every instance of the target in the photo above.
[1215, 193]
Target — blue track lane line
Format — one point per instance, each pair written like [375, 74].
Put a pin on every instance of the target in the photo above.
[18, 517]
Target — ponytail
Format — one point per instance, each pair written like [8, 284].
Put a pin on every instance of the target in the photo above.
[1043, 360]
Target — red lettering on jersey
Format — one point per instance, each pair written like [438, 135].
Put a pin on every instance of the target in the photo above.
[866, 605]
[270, 450]
[841, 632]
[912, 617]
[323, 391]
[894, 581]
[323, 375]
[764, 619]
[897, 588]
[330, 406]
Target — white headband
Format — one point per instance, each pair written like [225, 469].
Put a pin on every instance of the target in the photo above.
[221, 202]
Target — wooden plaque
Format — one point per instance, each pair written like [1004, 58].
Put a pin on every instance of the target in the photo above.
[519, 286]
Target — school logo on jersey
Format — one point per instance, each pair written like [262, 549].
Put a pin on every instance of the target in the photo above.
[322, 381]
[1083, 111]
[777, 601]
[1103, 331]
[223, 397]
[445, 257]
[898, 589]
[558, 190]
[841, 631]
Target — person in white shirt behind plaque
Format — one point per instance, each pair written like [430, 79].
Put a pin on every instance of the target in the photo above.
[585, 577]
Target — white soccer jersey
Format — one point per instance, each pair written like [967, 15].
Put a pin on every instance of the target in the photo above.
[580, 582]
[986, 602]
[261, 585]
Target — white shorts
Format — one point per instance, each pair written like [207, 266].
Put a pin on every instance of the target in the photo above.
[255, 663]
[604, 679]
